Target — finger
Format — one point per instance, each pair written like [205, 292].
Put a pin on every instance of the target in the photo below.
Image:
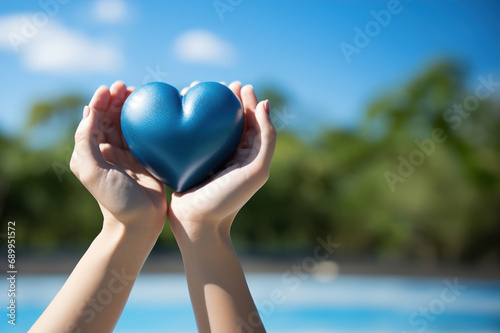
[248, 148]
[101, 98]
[249, 101]
[91, 164]
[109, 124]
[236, 89]
[224, 83]
[108, 153]
[99, 103]
[267, 134]
[184, 91]
[118, 92]
[129, 91]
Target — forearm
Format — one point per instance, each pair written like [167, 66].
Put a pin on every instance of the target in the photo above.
[217, 286]
[93, 297]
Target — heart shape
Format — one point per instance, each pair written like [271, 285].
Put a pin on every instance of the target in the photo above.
[182, 140]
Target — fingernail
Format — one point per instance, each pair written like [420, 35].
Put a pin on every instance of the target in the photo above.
[267, 107]
[86, 111]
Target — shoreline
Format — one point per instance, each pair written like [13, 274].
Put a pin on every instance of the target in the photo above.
[172, 263]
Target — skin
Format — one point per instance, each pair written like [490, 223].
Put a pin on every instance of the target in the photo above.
[201, 220]
[134, 209]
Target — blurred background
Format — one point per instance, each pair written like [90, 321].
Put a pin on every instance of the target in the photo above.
[387, 158]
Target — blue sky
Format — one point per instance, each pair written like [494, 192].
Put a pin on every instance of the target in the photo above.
[295, 45]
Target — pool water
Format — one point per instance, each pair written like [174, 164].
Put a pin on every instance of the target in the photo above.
[348, 303]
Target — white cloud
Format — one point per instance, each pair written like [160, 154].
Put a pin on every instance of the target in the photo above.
[201, 46]
[110, 11]
[55, 48]
[13, 24]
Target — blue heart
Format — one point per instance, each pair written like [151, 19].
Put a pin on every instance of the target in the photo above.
[182, 140]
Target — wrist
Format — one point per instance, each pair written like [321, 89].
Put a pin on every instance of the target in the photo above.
[136, 235]
[200, 234]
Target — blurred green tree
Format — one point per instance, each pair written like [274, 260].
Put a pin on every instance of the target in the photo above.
[335, 184]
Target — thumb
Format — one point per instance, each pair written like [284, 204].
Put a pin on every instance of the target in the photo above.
[267, 134]
[91, 164]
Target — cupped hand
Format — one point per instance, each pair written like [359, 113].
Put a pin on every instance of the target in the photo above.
[216, 202]
[125, 191]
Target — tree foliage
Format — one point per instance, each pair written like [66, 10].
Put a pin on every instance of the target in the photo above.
[334, 184]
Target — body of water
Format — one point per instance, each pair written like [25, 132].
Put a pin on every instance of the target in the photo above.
[296, 303]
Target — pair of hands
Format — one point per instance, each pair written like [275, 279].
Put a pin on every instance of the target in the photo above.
[131, 198]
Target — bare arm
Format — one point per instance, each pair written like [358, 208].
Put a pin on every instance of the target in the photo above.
[201, 221]
[219, 292]
[134, 209]
[93, 297]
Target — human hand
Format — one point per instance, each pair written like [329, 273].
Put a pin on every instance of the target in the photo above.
[215, 203]
[127, 194]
